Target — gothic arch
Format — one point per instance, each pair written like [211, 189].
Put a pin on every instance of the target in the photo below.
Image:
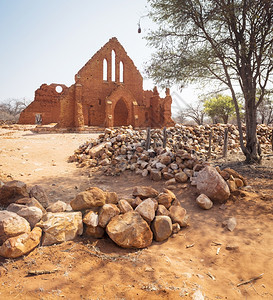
[120, 113]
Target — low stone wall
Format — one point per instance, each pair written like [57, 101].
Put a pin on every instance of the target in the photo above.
[27, 219]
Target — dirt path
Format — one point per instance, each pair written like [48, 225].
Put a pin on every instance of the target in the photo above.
[185, 265]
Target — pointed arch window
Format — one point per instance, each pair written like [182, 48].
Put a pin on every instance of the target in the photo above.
[113, 65]
[105, 70]
[121, 71]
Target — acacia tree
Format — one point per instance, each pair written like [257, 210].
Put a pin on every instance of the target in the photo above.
[11, 108]
[225, 40]
[220, 106]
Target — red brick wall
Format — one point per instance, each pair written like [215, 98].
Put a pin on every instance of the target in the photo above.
[46, 103]
[96, 102]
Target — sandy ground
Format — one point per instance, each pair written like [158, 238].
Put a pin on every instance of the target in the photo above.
[193, 261]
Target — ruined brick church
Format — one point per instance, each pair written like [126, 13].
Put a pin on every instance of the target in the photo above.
[108, 92]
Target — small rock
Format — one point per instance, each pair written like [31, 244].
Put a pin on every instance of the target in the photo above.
[93, 197]
[146, 209]
[39, 193]
[21, 244]
[107, 212]
[95, 232]
[232, 185]
[165, 198]
[175, 228]
[171, 181]
[111, 197]
[197, 295]
[178, 215]
[162, 228]
[91, 219]
[31, 202]
[31, 213]
[232, 247]
[181, 177]
[12, 225]
[12, 191]
[162, 211]
[124, 206]
[204, 201]
[144, 192]
[231, 223]
[134, 202]
[58, 206]
[155, 175]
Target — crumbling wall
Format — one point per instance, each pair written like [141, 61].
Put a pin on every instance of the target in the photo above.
[46, 103]
[108, 91]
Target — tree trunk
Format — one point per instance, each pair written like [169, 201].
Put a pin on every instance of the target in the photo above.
[225, 119]
[252, 154]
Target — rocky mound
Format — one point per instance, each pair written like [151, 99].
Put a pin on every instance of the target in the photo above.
[175, 153]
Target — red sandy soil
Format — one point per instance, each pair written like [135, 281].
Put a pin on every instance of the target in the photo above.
[174, 269]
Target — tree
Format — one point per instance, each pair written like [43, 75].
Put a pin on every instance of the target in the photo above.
[180, 117]
[220, 106]
[227, 41]
[196, 112]
[11, 109]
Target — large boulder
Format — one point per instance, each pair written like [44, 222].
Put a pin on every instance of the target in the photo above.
[93, 197]
[39, 193]
[144, 192]
[211, 183]
[147, 210]
[12, 191]
[107, 212]
[179, 215]
[162, 228]
[12, 225]
[129, 230]
[60, 227]
[21, 244]
[31, 213]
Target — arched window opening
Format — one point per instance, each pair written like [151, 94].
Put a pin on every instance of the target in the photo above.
[105, 70]
[113, 65]
[121, 72]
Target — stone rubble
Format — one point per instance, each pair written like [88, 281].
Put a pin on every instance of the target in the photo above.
[117, 150]
[132, 222]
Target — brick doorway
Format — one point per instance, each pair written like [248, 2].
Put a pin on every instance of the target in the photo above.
[120, 114]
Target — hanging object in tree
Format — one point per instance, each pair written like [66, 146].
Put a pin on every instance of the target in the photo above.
[139, 28]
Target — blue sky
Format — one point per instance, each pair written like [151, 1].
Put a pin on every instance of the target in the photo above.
[49, 41]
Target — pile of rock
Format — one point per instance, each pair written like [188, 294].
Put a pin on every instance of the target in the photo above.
[28, 220]
[131, 223]
[186, 147]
